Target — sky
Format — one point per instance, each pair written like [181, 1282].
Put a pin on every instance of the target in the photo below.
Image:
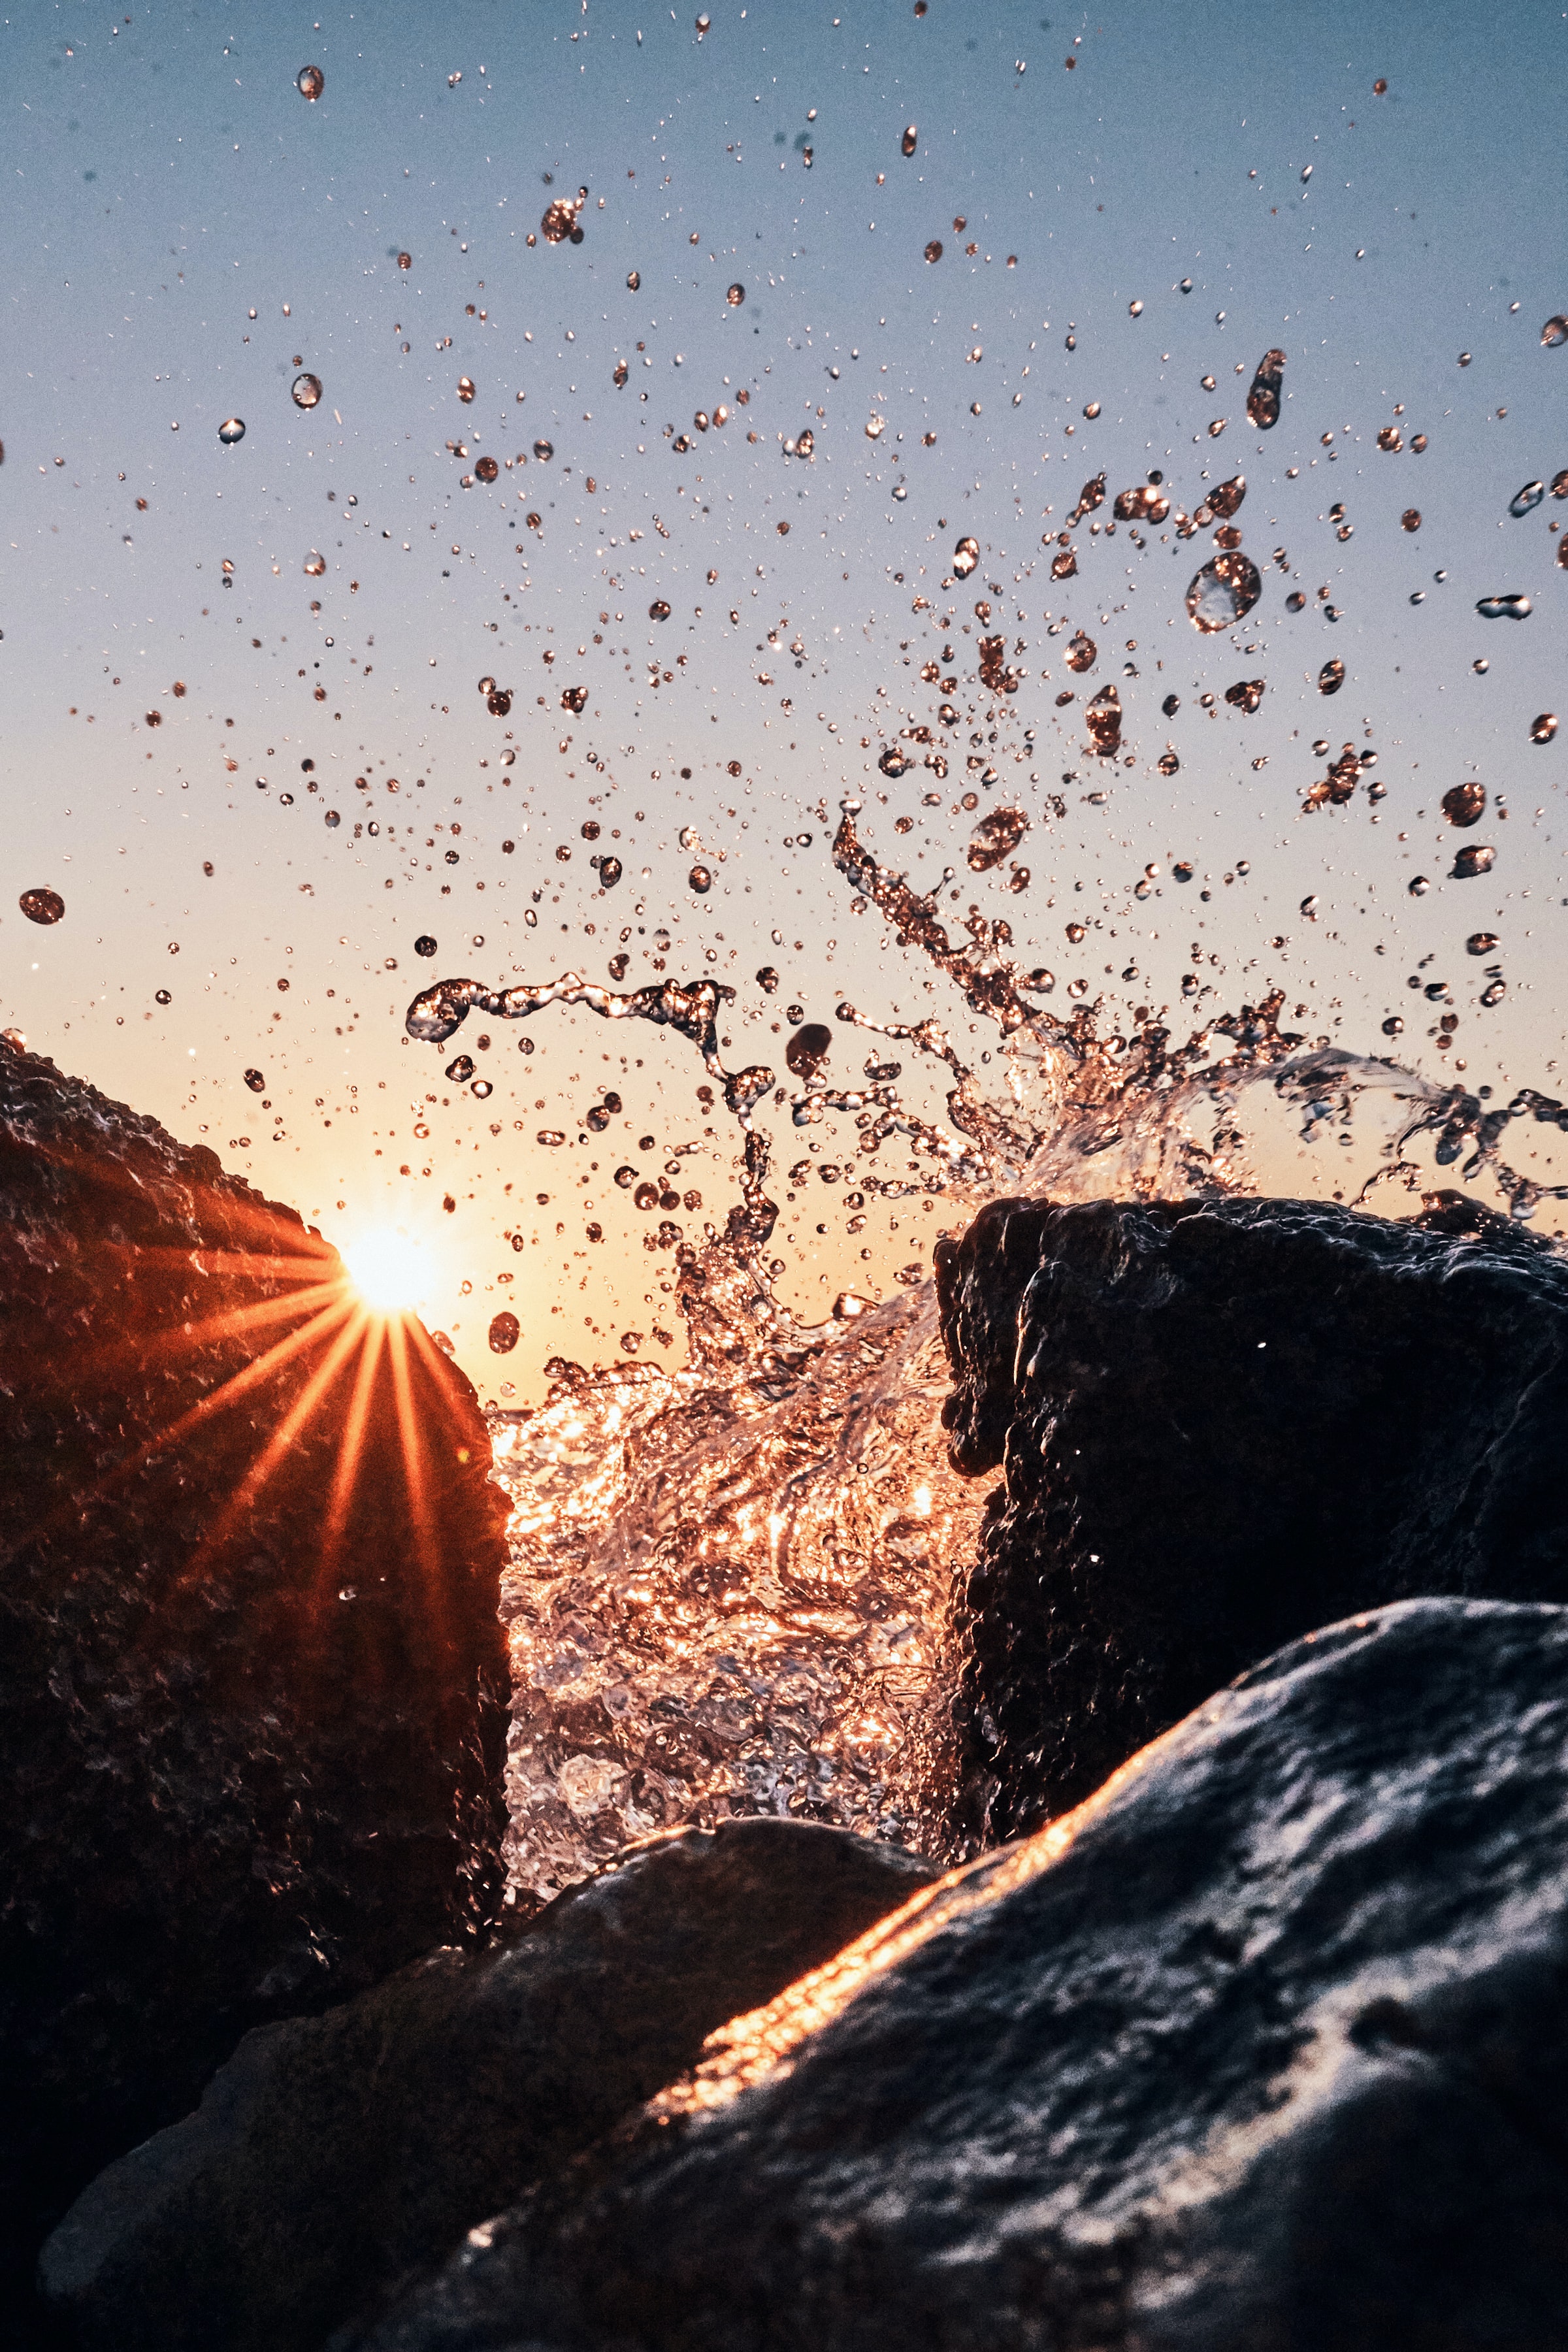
[245, 739]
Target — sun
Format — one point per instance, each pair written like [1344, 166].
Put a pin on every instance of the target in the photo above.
[387, 1269]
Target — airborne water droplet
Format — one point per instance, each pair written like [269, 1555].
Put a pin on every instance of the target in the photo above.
[1526, 501]
[1544, 727]
[42, 906]
[1263, 400]
[462, 1070]
[1473, 861]
[966, 556]
[1554, 333]
[1513, 607]
[736, 295]
[310, 81]
[315, 564]
[809, 1048]
[700, 879]
[1465, 804]
[909, 141]
[464, 389]
[306, 390]
[1331, 677]
[231, 430]
[934, 250]
[1481, 943]
[1223, 592]
[505, 1332]
[998, 832]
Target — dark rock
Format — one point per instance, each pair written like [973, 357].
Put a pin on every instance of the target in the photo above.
[252, 1684]
[332, 2154]
[1220, 1423]
[1264, 2050]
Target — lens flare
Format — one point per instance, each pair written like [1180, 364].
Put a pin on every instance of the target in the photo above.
[387, 1269]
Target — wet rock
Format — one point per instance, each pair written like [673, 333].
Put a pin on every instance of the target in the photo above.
[1220, 1423]
[331, 2155]
[252, 1684]
[1263, 2047]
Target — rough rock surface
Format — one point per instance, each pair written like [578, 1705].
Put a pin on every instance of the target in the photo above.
[252, 1684]
[1263, 2050]
[1220, 1423]
[331, 2155]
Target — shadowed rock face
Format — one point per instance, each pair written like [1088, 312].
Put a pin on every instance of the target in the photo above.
[333, 2155]
[1218, 1424]
[252, 1684]
[1266, 2046]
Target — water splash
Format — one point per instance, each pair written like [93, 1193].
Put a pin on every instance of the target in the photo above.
[729, 1584]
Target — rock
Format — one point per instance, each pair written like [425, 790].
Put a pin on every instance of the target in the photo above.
[331, 2155]
[1220, 1423]
[252, 1681]
[1265, 2047]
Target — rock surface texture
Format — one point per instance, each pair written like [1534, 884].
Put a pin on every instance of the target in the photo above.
[331, 2155]
[1265, 2049]
[1220, 1423]
[252, 1684]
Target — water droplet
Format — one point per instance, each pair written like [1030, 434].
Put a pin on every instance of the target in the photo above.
[1227, 497]
[1472, 861]
[334, 819]
[255, 1082]
[425, 945]
[1481, 943]
[544, 451]
[1464, 359]
[559, 221]
[1246, 694]
[306, 390]
[874, 427]
[1393, 1026]
[310, 81]
[485, 470]
[315, 564]
[966, 556]
[482, 1089]
[1419, 886]
[609, 873]
[934, 250]
[1168, 763]
[1102, 716]
[1465, 804]
[464, 389]
[658, 610]
[634, 280]
[998, 832]
[42, 906]
[1505, 608]
[1544, 727]
[1081, 653]
[1411, 519]
[405, 261]
[1525, 501]
[462, 1070]
[1554, 333]
[809, 1048]
[1390, 438]
[700, 879]
[1091, 410]
[505, 1333]
[1331, 677]
[736, 295]
[1263, 400]
[231, 430]
[1223, 592]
